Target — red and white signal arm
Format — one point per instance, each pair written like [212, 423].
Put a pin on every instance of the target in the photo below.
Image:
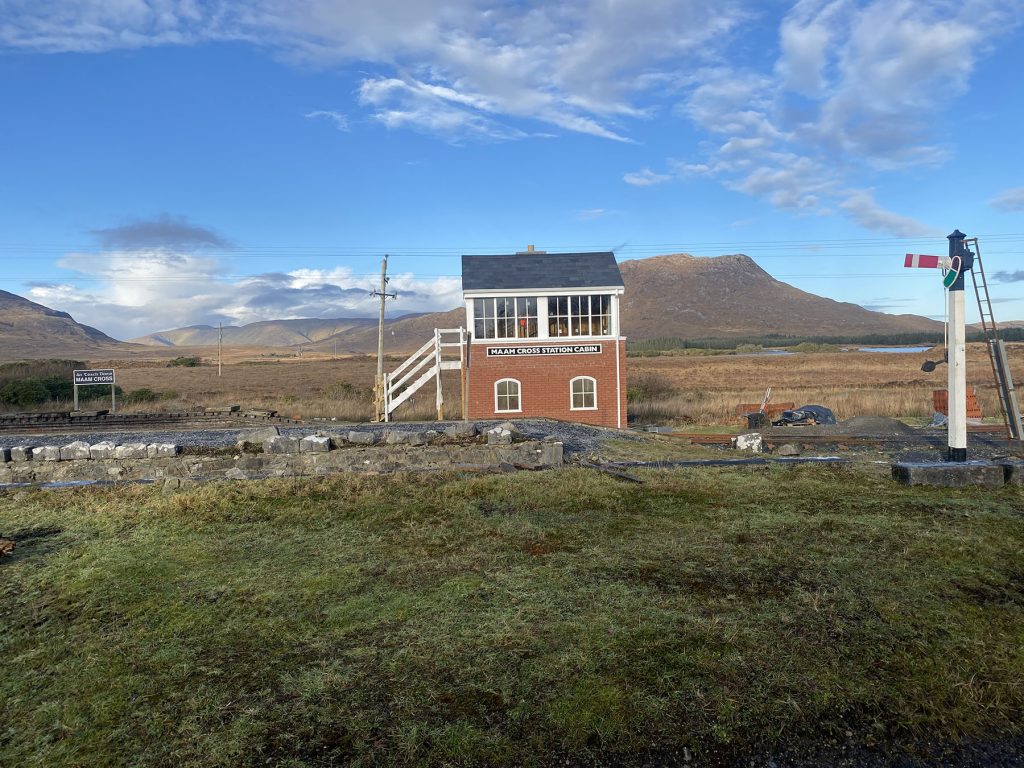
[927, 262]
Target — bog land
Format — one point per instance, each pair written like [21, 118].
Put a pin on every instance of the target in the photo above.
[689, 388]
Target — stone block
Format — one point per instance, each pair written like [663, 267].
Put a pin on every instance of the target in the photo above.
[223, 409]
[131, 451]
[404, 437]
[1013, 471]
[315, 444]
[80, 414]
[5, 455]
[511, 427]
[162, 450]
[789, 449]
[281, 444]
[462, 429]
[21, 453]
[752, 442]
[949, 474]
[361, 438]
[552, 454]
[76, 450]
[47, 453]
[257, 436]
[103, 450]
[237, 474]
[499, 435]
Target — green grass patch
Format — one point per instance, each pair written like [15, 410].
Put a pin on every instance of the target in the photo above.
[505, 620]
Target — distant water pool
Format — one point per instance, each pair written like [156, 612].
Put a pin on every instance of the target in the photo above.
[894, 350]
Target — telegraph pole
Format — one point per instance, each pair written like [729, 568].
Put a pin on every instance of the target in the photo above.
[220, 348]
[378, 386]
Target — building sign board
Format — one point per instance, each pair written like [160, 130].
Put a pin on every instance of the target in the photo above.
[552, 349]
[98, 376]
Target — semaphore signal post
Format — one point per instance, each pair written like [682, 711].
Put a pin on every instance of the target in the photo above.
[956, 265]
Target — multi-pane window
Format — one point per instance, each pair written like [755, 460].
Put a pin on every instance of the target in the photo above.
[579, 315]
[583, 393]
[506, 396]
[505, 318]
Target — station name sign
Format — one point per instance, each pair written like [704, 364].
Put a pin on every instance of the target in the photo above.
[99, 376]
[557, 349]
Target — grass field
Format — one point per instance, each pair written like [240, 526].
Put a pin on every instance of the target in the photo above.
[531, 619]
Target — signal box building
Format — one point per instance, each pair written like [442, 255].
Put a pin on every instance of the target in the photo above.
[545, 339]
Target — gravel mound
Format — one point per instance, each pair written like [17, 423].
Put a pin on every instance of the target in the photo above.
[870, 426]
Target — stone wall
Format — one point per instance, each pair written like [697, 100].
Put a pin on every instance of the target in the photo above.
[283, 457]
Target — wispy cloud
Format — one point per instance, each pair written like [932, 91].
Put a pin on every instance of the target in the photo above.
[1008, 277]
[1011, 200]
[338, 119]
[164, 231]
[645, 178]
[853, 95]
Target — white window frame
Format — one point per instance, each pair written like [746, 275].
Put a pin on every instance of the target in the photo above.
[542, 297]
[519, 396]
[572, 407]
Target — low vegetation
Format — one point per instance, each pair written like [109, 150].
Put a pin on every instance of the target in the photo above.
[534, 619]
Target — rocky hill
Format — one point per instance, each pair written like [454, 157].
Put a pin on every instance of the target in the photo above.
[700, 297]
[30, 330]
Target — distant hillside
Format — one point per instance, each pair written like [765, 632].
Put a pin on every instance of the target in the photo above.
[266, 333]
[30, 330]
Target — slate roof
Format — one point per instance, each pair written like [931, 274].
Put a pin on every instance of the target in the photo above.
[525, 271]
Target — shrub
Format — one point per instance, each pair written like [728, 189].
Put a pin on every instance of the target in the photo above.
[647, 385]
[184, 362]
[24, 393]
[144, 395]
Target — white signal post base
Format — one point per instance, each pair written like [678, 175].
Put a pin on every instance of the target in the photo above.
[957, 381]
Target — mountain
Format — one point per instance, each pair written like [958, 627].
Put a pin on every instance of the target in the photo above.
[700, 297]
[266, 333]
[30, 330]
[674, 295]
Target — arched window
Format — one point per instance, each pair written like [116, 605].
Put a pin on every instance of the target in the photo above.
[506, 396]
[583, 394]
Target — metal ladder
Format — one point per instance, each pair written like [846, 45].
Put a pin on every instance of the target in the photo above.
[996, 349]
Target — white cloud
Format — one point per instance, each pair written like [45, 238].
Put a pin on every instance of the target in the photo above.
[136, 289]
[866, 211]
[1010, 200]
[855, 93]
[645, 178]
[465, 66]
[338, 119]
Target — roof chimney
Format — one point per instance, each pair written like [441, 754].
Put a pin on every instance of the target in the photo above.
[529, 249]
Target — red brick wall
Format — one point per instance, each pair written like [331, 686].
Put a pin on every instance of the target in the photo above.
[544, 383]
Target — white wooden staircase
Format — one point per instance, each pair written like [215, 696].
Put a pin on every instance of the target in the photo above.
[424, 364]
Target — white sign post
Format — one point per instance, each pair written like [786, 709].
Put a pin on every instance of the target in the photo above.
[88, 378]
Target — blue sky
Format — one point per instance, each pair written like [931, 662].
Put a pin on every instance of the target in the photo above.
[170, 162]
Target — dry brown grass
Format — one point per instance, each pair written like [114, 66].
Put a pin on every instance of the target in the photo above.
[300, 388]
[706, 390]
[677, 389]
